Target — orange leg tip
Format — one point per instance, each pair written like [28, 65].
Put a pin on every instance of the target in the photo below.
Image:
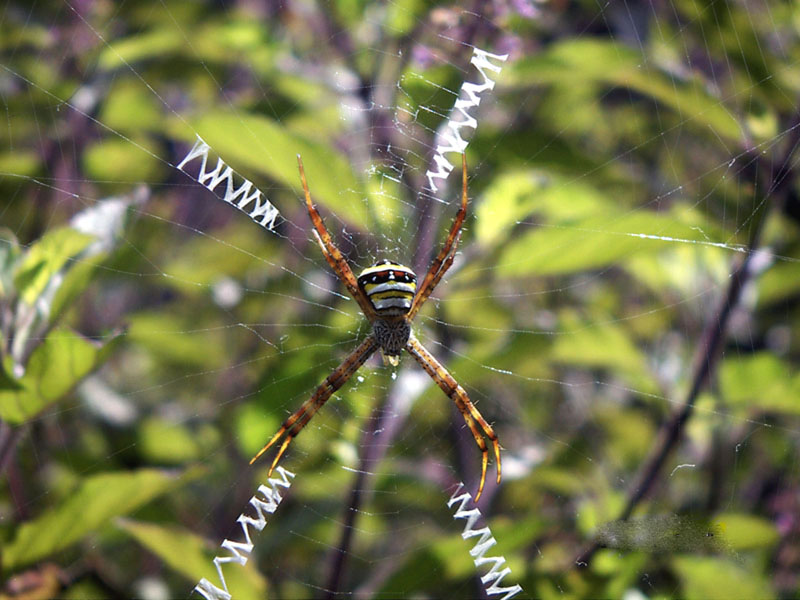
[257, 456]
[480, 489]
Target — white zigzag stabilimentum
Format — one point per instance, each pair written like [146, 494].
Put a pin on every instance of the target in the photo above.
[448, 138]
[240, 551]
[262, 210]
[485, 542]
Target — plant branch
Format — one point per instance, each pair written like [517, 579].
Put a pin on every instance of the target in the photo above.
[713, 335]
[9, 436]
[388, 419]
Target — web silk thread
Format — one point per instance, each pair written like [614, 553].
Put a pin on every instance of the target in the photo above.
[263, 212]
[448, 138]
[240, 551]
[485, 541]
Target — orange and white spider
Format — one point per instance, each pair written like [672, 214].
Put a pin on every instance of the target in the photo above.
[388, 296]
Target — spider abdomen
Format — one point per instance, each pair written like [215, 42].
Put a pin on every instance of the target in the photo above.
[390, 287]
[392, 335]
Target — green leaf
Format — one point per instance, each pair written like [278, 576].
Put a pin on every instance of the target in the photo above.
[170, 338]
[603, 345]
[745, 532]
[96, 500]
[515, 195]
[448, 558]
[706, 578]
[45, 258]
[195, 266]
[760, 382]
[73, 283]
[264, 146]
[55, 367]
[189, 555]
[780, 283]
[124, 161]
[595, 60]
[7, 382]
[139, 47]
[591, 243]
[161, 442]
[130, 107]
[19, 163]
[253, 427]
[10, 254]
[403, 15]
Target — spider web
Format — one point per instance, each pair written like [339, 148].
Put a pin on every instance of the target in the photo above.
[629, 161]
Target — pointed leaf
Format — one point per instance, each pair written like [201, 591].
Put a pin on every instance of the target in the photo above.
[189, 555]
[706, 578]
[591, 243]
[97, 499]
[514, 196]
[46, 258]
[10, 254]
[586, 60]
[741, 531]
[760, 382]
[55, 367]
[264, 146]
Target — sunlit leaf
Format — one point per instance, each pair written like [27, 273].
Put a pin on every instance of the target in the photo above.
[761, 382]
[10, 253]
[55, 367]
[130, 107]
[97, 499]
[707, 578]
[590, 243]
[19, 163]
[118, 160]
[602, 345]
[139, 47]
[46, 258]
[264, 146]
[449, 558]
[161, 442]
[172, 338]
[516, 195]
[192, 557]
[616, 64]
[745, 532]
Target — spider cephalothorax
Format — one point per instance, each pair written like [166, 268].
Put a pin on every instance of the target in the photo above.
[390, 287]
[388, 295]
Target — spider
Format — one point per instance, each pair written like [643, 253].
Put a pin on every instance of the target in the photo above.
[388, 296]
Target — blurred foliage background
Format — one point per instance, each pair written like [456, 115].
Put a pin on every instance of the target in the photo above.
[624, 307]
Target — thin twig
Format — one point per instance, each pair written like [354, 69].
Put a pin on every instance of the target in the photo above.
[9, 436]
[388, 419]
[711, 340]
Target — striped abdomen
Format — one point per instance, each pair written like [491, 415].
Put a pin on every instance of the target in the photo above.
[389, 286]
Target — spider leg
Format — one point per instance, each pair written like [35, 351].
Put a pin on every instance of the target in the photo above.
[332, 254]
[300, 418]
[442, 262]
[456, 393]
[423, 296]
